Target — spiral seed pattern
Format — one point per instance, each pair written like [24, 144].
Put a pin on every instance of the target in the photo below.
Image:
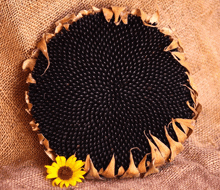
[105, 86]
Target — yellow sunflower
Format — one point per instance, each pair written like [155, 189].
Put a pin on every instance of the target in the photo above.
[67, 172]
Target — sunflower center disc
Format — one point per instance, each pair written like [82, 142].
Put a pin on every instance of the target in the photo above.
[106, 86]
[65, 173]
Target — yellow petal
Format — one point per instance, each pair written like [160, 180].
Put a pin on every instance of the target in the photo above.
[71, 161]
[58, 160]
[67, 184]
[47, 166]
[73, 182]
[61, 160]
[56, 181]
[61, 184]
[52, 175]
[78, 165]
[52, 170]
[79, 174]
[55, 165]
[78, 180]
[79, 171]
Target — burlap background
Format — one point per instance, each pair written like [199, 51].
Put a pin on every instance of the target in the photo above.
[22, 23]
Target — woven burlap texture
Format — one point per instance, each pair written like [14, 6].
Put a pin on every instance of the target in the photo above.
[197, 24]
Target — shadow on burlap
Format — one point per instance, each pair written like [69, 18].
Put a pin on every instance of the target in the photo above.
[197, 23]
